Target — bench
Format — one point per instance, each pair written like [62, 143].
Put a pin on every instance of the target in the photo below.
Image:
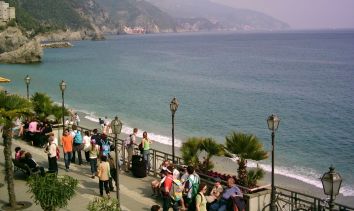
[22, 167]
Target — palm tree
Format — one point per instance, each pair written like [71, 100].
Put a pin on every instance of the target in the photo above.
[194, 146]
[212, 148]
[11, 106]
[190, 151]
[245, 146]
[42, 105]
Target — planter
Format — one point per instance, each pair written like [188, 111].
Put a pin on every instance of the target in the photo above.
[258, 200]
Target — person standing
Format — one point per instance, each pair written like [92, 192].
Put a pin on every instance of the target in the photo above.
[76, 119]
[52, 155]
[130, 147]
[67, 142]
[78, 146]
[167, 185]
[104, 175]
[200, 200]
[87, 145]
[146, 142]
[94, 152]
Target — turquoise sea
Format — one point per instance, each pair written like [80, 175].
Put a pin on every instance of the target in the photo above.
[224, 82]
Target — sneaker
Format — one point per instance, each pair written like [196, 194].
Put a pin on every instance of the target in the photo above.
[93, 177]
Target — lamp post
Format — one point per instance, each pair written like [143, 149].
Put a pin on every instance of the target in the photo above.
[273, 123]
[331, 182]
[27, 81]
[62, 86]
[116, 125]
[173, 107]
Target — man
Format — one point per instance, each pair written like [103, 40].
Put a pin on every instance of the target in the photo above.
[191, 188]
[67, 142]
[130, 147]
[225, 202]
[77, 137]
[216, 192]
[167, 185]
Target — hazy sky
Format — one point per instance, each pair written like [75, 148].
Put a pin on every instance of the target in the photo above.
[303, 14]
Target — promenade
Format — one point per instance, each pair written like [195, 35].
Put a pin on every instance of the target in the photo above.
[135, 193]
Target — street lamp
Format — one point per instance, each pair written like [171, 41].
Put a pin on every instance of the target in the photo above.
[27, 81]
[116, 125]
[62, 86]
[331, 182]
[173, 107]
[273, 123]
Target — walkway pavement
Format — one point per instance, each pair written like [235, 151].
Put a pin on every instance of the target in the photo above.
[135, 193]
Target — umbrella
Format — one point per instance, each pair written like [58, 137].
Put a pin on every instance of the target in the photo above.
[4, 80]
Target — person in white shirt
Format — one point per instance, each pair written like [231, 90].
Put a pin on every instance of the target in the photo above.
[52, 155]
[87, 145]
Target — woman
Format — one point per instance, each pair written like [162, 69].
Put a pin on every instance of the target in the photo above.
[200, 199]
[87, 145]
[32, 164]
[52, 155]
[93, 154]
[146, 142]
[155, 184]
[104, 175]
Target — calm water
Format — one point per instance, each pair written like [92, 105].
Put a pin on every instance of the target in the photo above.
[224, 82]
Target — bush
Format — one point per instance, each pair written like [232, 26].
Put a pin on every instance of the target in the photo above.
[52, 192]
[104, 204]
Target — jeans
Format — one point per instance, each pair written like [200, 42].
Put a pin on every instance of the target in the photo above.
[93, 163]
[105, 185]
[67, 159]
[146, 155]
[130, 151]
[77, 148]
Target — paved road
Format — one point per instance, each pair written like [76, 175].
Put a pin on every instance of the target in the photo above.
[134, 192]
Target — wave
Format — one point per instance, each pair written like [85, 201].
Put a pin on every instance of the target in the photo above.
[306, 175]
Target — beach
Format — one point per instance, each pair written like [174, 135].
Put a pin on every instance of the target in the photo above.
[228, 166]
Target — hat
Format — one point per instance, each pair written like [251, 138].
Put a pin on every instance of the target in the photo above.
[217, 179]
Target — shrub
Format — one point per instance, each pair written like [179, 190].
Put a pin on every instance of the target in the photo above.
[104, 204]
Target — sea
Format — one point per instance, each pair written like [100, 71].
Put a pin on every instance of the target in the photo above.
[224, 82]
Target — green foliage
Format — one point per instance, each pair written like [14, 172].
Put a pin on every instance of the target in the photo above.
[44, 106]
[194, 146]
[103, 204]
[253, 176]
[45, 16]
[12, 106]
[52, 192]
[245, 146]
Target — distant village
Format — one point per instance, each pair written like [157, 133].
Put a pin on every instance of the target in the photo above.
[7, 13]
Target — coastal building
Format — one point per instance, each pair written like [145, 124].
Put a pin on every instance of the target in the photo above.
[6, 12]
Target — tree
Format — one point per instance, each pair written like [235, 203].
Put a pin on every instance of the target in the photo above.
[245, 146]
[11, 106]
[52, 192]
[194, 146]
[42, 105]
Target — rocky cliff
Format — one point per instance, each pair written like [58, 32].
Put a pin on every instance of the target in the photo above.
[16, 48]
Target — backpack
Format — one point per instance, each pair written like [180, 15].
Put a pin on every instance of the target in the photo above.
[78, 138]
[105, 148]
[128, 142]
[176, 191]
[193, 191]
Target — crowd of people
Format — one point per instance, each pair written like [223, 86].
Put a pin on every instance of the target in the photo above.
[184, 191]
[178, 187]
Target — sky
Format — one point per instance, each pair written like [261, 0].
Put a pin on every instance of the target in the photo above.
[303, 14]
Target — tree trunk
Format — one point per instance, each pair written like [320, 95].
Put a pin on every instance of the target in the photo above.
[9, 174]
[242, 172]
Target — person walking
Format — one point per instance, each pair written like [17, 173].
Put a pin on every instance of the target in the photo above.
[146, 142]
[52, 155]
[130, 147]
[104, 175]
[67, 143]
[94, 153]
[113, 172]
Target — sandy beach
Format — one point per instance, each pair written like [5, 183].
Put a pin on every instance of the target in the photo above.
[228, 166]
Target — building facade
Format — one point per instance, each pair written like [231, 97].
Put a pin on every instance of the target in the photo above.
[6, 12]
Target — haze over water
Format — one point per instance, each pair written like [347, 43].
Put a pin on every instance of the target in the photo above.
[225, 82]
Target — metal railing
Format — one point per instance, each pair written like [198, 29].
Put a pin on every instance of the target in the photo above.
[286, 199]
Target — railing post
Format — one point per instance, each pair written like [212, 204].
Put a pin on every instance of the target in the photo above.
[155, 162]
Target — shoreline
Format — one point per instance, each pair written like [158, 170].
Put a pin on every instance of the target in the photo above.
[226, 165]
